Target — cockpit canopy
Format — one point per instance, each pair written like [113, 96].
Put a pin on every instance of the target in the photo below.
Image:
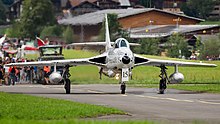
[121, 42]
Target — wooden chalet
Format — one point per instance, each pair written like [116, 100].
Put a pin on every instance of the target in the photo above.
[107, 4]
[157, 17]
[104, 4]
[88, 26]
[14, 10]
[173, 5]
[215, 14]
[84, 7]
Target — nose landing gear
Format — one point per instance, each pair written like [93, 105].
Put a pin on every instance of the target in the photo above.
[100, 73]
[163, 80]
[123, 88]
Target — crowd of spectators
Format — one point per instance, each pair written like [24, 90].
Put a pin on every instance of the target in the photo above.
[12, 75]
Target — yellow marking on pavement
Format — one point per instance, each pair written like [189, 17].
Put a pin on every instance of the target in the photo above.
[212, 103]
[45, 87]
[170, 99]
[93, 91]
[140, 95]
[124, 95]
[187, 101]
[152, 97]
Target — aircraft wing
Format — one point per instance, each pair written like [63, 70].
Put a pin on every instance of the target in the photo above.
[71, 62]
[139, 60]
[96, 60]
[97, 44]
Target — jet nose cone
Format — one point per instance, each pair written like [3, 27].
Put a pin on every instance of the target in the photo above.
[126, 60]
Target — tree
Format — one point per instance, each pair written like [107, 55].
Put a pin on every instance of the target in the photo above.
[147, 3]
[68, 35]
[2, 13]
[148, 46]
[8, 2]
[54, 30]
[13, 31]
[198, 8]
[35, 16]
[176, 43]
[211, 49]
[115, 28]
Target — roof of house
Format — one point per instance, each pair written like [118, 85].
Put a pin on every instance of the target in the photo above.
[77, 2]
[124, 2]
[166, 30]
[85, 2]
[98, 16]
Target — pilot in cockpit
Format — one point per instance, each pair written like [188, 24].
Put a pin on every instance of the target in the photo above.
[121, 42]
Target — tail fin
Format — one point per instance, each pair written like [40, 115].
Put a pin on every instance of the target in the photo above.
[40, 42]
[107, 35]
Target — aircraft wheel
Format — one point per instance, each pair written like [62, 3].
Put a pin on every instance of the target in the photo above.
[61, 82]
[123, 88]
[162, 86]
[67, 86]
[43, 81]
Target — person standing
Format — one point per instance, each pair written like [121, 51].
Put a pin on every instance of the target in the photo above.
[12, 72]
[1, 74]
[46, 74]
[6, 75]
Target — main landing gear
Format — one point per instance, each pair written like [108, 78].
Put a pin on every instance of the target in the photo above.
[100, 73]
[66, 75]
[123, 87]
[163, 80]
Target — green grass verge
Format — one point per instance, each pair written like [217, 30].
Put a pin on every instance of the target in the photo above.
[73, 122]
[207, 88]
[210, 23]
[24, 107]
[200, 88]
[73, 54]
[2, 31]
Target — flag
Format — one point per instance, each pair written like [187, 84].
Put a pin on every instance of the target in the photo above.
[40, 42]
[27, 47]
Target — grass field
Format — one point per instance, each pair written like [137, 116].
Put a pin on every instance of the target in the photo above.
[15, 106]
[24, 109]
[73, 122]
[200, 79]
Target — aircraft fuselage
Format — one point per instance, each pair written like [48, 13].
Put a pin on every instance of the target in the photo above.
[119, 58]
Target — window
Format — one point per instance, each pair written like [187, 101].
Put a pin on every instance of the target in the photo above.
[216, 8]
[117, 45]
[214, 14]
[123, 43]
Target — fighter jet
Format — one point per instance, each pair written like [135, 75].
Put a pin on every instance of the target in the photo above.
[117, 60]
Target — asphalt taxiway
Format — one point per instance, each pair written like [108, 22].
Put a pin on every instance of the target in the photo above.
[139, 103]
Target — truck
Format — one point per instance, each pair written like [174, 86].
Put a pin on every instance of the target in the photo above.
[48, 52]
